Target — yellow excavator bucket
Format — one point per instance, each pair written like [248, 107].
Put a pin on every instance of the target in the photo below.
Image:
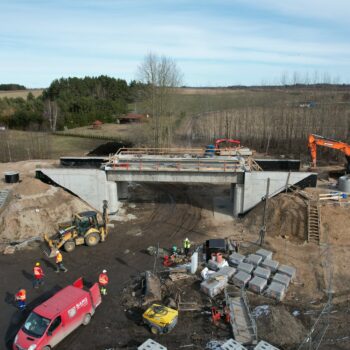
[48, 247]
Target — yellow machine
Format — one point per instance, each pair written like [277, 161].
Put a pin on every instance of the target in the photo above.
[160, 319]
[84, 229]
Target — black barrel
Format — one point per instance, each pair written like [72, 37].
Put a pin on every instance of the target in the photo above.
[11, 177]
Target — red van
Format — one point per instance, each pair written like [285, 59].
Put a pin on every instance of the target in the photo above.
[53, 320]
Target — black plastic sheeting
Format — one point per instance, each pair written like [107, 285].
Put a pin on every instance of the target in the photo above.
[109, 148]
[83, 162]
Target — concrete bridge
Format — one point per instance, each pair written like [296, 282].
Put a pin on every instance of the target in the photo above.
[246, 179]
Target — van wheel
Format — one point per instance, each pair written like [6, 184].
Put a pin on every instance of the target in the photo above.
[92, 239]
[154, 330]
[69, 246]
[86, 319]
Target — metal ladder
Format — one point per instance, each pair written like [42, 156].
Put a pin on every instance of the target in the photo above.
[314, 222]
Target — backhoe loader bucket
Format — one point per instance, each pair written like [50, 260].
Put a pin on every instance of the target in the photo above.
[48, 247]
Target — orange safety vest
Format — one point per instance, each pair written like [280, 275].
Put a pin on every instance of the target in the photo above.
[103, 279]
[38, 272]
[21, 295]
[59, 258]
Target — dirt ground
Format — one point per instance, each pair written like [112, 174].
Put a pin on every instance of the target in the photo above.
[165, 215]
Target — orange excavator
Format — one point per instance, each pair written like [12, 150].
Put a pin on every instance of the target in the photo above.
[316, 140]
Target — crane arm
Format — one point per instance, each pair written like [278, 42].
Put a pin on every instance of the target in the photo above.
[316, 140]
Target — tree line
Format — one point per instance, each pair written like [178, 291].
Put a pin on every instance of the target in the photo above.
[71, 102]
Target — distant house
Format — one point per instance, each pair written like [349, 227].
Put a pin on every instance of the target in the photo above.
[309, 104]
[132, 118]
[97, 124]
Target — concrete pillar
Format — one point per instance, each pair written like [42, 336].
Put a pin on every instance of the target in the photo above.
[112, 194]
[238, 199]
[122, 190]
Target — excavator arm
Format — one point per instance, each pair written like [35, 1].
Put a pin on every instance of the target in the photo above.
[218, 141]
[316, 140]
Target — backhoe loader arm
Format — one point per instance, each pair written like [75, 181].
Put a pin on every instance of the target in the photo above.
[316, 140]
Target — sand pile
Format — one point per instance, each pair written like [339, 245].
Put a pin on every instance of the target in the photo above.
[286, 217]
[36, 208]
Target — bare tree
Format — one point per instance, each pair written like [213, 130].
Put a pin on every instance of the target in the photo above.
[162, 76]
[51, 113]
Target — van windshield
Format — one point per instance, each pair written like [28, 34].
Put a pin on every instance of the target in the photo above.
[35, 325]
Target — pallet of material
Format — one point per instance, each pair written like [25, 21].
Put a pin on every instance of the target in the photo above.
[253, 259]
[287, 270]
[227, 271]
[262, 272]
[214, 286]
[150, 344]
[276, 291]
[232, 344]
[281, 278]
[245, 267]
[263, 345]
[235, 259]
[272, 265]
[241, 278]
[257, 284]
[265, 254]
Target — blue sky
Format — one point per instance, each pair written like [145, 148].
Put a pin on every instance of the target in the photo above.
[215, 43]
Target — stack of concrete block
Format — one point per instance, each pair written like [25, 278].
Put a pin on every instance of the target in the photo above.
[287, 270]
[241, 278]
[265, 254]
[263, 345]
[281, 278]
[276, 291]
[232, 345]
[245, 267]
[214, 286]
[253, 259]
[226, 271]
[262, 272]
[272, 265]
[257, 284]
[235, 259]
[150, 344]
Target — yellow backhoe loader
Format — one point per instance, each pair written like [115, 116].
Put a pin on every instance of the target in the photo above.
[83, 229]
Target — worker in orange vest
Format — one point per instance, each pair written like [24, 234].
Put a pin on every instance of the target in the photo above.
[103, 281]
[59, 262]
[21, 299]
[38, 275]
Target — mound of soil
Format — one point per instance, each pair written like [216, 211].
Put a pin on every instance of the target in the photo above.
[286, 217]
[36, 208]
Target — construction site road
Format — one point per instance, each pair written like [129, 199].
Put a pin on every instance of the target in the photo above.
[167, 221]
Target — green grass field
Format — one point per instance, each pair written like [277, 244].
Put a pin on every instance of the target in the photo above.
[21, 93]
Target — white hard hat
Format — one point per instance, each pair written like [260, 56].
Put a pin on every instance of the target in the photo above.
[104, 271]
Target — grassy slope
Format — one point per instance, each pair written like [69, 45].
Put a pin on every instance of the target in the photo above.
[21, 93]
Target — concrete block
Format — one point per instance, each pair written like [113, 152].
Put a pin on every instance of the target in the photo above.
[257, 284]
[266, 254]
[215, 266]
[246, 267]
[232, 345]
[150, 344]
[263, 345]
[281, 278]
[276, 291]
[288, 270]
[214, 286]
[270, 264]
[262, 272]
[253, 259]
[235, 259]
[227, 271]
[241, 278]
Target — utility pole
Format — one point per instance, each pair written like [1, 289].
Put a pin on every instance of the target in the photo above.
[263, 227]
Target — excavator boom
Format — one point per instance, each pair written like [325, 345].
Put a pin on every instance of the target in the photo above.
[317, 140]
